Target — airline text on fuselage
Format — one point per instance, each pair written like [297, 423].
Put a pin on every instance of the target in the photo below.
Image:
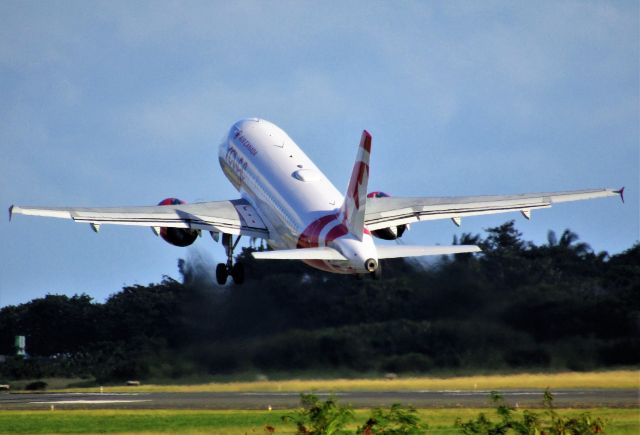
[236, 162]
[246, 143]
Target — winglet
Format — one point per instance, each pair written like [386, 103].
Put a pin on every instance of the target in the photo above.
[355, 200]
[10, 213]
[621, 193]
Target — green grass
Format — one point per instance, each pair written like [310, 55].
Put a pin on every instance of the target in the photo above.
[122, 421]
[620, 421]
[554, 381]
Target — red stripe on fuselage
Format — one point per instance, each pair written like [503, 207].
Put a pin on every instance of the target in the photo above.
[311, 235]
[336, 232]
[310, 238]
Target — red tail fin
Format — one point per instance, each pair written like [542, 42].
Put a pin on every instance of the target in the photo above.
[355, 200]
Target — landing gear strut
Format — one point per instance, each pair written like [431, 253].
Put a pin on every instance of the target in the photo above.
[223, 271]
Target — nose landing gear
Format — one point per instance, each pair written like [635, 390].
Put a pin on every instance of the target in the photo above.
[223, 271]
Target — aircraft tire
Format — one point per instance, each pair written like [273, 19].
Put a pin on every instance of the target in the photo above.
[237, 273]
[221, 274]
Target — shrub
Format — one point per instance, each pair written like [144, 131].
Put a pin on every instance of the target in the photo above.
[36, 386]
[530, 423]
[398, 420]
[318, 417]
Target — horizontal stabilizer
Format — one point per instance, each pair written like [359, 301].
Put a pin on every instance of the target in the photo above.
[418, 251]
[321, 253]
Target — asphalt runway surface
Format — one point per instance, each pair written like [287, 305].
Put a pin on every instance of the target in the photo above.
[625, 398]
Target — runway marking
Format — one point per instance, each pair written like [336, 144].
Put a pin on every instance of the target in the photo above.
[87, 402]
[106, 394]
[290, 394]
[501, 392]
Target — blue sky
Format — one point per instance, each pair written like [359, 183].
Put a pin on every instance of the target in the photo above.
[124, 103]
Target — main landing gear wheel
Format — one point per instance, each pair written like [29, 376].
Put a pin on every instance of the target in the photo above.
[221, 274]
[223, 271]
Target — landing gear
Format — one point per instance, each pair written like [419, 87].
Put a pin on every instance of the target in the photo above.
[223, 271]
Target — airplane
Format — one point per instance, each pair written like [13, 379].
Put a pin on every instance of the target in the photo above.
[287, 201]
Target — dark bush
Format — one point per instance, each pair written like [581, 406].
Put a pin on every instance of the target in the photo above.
[36, 386]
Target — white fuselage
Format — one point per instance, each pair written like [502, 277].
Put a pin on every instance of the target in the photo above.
[297, 203]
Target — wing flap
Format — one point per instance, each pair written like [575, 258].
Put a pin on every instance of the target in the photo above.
[321, 253]
[419, 251]
[390, 211]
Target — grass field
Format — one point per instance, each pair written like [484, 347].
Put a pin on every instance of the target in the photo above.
[608, 379]
[620, 421]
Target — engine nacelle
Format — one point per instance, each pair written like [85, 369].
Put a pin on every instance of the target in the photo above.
[177, 236]
[390, 233]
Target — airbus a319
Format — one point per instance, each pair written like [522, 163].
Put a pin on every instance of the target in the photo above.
[286, 200]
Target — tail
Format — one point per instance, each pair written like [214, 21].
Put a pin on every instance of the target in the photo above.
[355, 200]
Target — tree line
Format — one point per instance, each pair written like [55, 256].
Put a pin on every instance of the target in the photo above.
[516, 306]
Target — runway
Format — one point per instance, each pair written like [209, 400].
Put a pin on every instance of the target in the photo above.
[617, 398]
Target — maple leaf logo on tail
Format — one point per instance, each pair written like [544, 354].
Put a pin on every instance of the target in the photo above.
[355, 200]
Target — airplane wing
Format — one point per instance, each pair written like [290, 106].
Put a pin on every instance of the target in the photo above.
[236, 217]
[385, 212]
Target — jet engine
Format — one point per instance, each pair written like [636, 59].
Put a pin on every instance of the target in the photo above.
[390, 233]
[177, 236]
